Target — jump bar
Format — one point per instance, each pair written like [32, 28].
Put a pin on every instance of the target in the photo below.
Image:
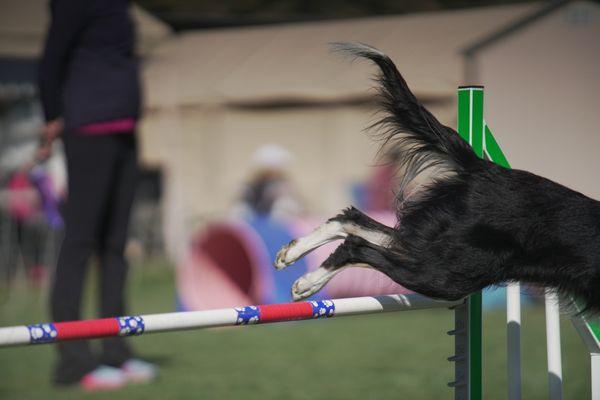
[248, 315]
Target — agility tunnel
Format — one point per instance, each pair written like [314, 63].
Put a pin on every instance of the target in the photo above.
[230, 263]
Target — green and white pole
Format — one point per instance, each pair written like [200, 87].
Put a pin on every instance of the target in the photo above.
[471, 128]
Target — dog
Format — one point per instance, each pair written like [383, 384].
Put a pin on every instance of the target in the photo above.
[464, 223]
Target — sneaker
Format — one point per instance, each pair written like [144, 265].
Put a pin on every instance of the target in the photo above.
[138, 371]
[103, 378]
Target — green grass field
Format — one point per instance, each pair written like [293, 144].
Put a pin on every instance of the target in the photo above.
[392, 356]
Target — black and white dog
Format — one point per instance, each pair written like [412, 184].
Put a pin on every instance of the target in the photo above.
[464, 223]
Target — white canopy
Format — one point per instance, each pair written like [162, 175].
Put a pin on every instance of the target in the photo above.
[292, 61]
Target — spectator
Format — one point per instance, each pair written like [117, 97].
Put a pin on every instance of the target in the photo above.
[90, 93]
[24, 209]
[269, 191]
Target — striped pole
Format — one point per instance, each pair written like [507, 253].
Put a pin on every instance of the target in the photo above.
[248, 315]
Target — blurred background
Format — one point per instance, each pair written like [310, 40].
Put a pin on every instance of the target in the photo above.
[253, 133]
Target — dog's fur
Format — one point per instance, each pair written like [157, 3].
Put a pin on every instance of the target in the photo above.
[467, 225]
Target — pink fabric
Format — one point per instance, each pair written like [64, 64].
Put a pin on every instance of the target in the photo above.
[23, 200]
[123, 125]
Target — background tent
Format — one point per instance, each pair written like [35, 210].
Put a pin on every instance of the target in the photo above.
[215, 96]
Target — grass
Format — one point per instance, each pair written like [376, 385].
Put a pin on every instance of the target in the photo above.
[401, 355]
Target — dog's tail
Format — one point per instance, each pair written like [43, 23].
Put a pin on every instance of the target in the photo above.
[412, 136]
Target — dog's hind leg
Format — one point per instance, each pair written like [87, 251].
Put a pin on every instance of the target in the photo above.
[313, 281]
[350, 222]
[354, 252]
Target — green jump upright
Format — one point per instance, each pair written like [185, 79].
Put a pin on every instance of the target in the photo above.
[472, 128]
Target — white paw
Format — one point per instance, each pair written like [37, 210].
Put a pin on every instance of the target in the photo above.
[304, 288]
[282, 259]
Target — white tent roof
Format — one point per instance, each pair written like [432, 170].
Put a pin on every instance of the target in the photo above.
[23, 25]
[292, 62]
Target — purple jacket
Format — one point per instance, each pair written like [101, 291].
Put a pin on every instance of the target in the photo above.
[89, 72]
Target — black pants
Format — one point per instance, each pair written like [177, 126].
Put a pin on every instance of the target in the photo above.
[102, 173]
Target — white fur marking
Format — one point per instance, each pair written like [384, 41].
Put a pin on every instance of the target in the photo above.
[294, 250]
[312, 282]
[328, 232]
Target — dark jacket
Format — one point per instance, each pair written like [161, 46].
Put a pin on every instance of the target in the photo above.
[89, 72]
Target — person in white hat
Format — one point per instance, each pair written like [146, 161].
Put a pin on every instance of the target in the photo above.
[269, 191]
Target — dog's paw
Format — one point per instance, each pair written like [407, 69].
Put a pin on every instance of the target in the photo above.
[282, 259]
[304, 288]
[310, 283]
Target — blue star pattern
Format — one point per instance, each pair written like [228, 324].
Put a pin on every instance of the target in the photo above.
[42, 333]
[323, 308]
[247, 315]
[130, 326]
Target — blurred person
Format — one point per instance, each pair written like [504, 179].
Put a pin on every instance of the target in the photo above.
[24, 234]
[269, 191]
[89, 88]
[24, 208]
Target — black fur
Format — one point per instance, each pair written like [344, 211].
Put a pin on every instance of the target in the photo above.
[478, 224]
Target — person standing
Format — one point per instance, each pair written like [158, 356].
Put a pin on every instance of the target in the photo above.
[90, 93]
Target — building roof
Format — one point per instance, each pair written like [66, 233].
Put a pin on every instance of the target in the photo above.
[23, 25]
[515, 26]
[292, 62]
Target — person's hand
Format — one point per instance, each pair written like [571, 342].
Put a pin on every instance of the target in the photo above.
[52, 130]
[43, 152]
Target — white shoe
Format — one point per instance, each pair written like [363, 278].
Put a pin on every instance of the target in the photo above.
[138, 371]
[103, 378]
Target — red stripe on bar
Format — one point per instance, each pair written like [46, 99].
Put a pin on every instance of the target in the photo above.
[285, 312]
[94, 328]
